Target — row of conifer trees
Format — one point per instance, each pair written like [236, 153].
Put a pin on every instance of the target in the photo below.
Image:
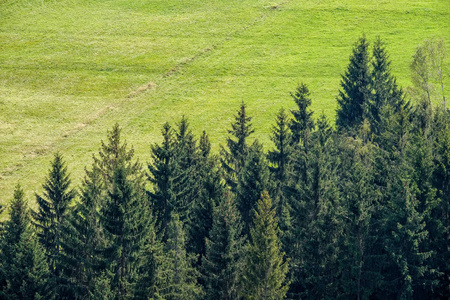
[357, 210]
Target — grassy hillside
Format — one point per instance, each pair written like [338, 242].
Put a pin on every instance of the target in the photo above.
[70, 69]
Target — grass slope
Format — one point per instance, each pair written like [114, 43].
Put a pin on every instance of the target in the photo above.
[70, 69]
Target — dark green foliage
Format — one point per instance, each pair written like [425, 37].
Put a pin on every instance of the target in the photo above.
[126, 220]
[177, 278]
[221, 263]
[52, 210]
[176, 173]
[210, 191]
[404, 239]
[186, 178]
[355, 94]
[383, 86]
[233, 158]
[280, 158]
[359, 253]
[24, 272]
[162, 172]
[82, 239]
[439, 218]
[264, 271]
[253, 180]
[125, 217]
[317, 220]
[302, 123]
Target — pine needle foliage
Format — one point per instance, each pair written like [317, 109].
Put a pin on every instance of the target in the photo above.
[264, 272]
[52, 210]
[24, 272]
[221, 264]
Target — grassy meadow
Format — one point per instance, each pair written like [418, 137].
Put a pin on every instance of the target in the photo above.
[70, 69]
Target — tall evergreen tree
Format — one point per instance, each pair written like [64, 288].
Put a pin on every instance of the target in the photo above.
[186, 176]
[302, 123]
[52, 210]
[233, 158]
[162, 170]
[253, 180]
[405, 235]
[383, 86]
[318, 221]
[280, 160]
[359, 256]
[177, 278]
[82, 238]
[125, 216]
[280, 157]
[439, 220]
[24, 272]
[210, 192]
[221, 263]
[264, 272]
[355, 94]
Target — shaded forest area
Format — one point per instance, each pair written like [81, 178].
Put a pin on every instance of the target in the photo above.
[353, 211]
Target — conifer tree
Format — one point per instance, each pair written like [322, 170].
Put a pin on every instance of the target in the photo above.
[439, 220]
[233, 158]
[221, 263]
[355, 94]
[177, 278]
[280, 159]
[383, 86]
[82, 238]
[264, 271]
[186, 179]
[211, 189]
[253, 180]
[125, 216]
[162, 170]
[317, 220]
[405, 234]
[302, 123]
[360, 245]
[24, 272]
[52, 210]
[126, 219]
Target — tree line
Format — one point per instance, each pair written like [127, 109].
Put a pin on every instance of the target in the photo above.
[359, 210]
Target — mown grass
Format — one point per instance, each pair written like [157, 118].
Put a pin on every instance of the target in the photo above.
[70, 69]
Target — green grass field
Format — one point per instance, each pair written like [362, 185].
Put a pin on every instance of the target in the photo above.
[70, 69]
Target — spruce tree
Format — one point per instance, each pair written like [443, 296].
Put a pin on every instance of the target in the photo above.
[211, 190]
[355, 94]
[221, 263]
[252, 181]
[125, 216]
[126, 219]
[186, 178]
[177, 278]
[317, 220]
[82, 238]
[280, 160]
[360, 245]
[162, 170]
[439, 221]
[405, 235]
[264, 271]
[383, 86]
[233, 157]
[302, 123]
[52, 210]
[24, 272]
